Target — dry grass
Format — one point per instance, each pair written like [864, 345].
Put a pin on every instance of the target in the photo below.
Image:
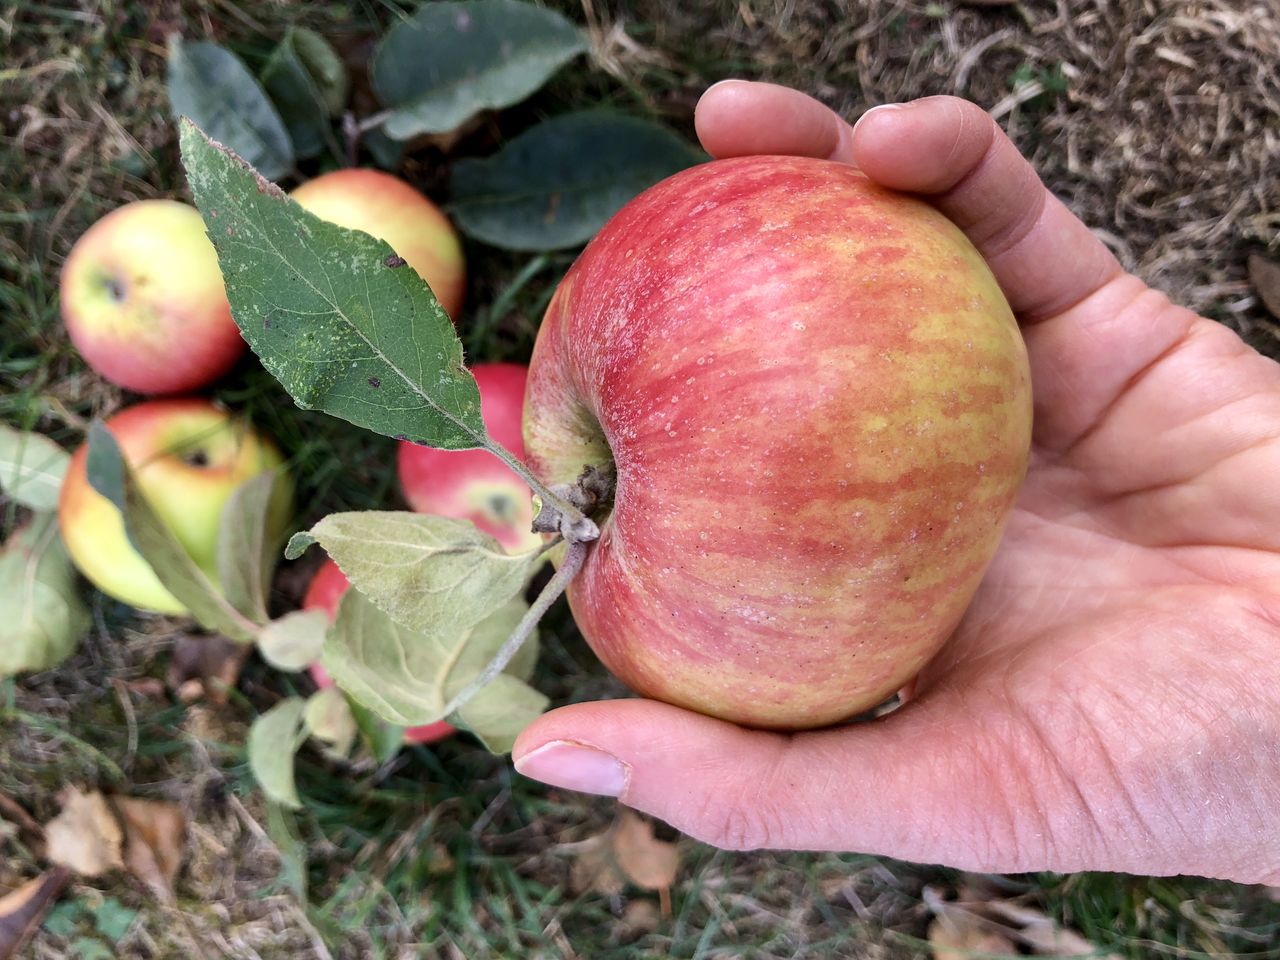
[1157, 122]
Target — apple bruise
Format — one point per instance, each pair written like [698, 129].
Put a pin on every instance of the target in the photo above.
[818, 406]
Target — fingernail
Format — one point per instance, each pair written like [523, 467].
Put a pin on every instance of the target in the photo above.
[721, 83]
[575, 766]
[883, 106]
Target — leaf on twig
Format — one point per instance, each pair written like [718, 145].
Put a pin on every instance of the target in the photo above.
[274, 740]
[329, 719]
[451, 60]
[43, 616]
[341, 331]
[556, 185]
[31, 468]
[213, 87]
[246, 548]
[294, 641]
[407, 677]
[427, 572]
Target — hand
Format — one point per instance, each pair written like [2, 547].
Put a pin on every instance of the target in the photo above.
[1111, 700]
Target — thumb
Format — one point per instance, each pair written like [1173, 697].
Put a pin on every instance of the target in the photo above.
[904, 786]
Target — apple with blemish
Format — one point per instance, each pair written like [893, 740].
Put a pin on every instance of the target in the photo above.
[323, 593]
[818, 407]
[473, 484]
[189, 457]
[385, 206]
[143, 300]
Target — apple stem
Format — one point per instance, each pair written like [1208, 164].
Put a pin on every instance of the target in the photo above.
[569, 567]
[579, 527]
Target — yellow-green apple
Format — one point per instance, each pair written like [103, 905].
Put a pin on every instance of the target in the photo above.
[818, 406]
[473, 484]
[189, 456]
[323, 593]
[391, 210]
[143, 300]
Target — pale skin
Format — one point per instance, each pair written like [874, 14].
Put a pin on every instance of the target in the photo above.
[1111, 700]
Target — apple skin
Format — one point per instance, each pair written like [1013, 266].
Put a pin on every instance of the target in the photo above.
[474, 484]
[160, 439]
[325, 590]
[391, 210]
[143, 300]
[818, 405]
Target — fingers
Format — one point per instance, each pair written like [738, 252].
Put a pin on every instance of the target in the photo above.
[901, 787]
[736, 118]
[944, 148]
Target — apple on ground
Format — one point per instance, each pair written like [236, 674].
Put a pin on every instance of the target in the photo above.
[818, 405]
[474, 484]
[388, 208]
[189, 456]
[144, 303]
[325, 590]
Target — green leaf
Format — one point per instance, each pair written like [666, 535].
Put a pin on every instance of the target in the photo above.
[451, 60]
[329, 719]
[43, 616]
[407, 677]
[295, 640]
[246, 548]
[556, 184]
[274, 740]
[31, 468]
[113, 919]
[341, 328]
[426, 572]
[308, 82]
[112, 477]
[213, 87]
[384, 739]
[282, 828]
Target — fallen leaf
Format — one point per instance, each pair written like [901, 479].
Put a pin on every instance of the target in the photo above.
[1040, 932]
[206, 667]
[22, 911]
[646, 861]
[640, 916]
[1264, 274]
[1016, 924]
[594, 868]
[154, 833]
[85, 837]
[956, 935]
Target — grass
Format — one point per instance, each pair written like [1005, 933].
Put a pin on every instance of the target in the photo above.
[444, 852]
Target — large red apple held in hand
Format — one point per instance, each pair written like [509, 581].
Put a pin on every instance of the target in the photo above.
[388, 208]
[143, 300]
[189, 457]
[818, 406]
[474, 484]
[325, 590]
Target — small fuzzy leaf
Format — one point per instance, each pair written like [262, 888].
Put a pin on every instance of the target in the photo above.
[339, 327]
[112, 477]
[407, 677]
[295, 640]
[308, 82]
[451, 60]
[213, 87]
[246, 550]
[44, 618]
[329, 719]
[274, 740]
[384, 739]
[31, 468]
[557, 184]
[427, 572]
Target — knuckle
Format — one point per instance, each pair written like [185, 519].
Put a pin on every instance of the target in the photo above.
[741, 824]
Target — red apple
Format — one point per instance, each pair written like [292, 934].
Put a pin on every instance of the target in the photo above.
[818, 406]
[391, 210]
[474, 484]
[143, 300]
[189, 457]
[326, 589]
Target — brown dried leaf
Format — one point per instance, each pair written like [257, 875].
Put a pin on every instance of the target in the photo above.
[594, 868]
[22, 911]
[154, 833]
[646, 861]
[1040, 932]
[85, 837]
[1013, 922]
[1264, 274]
[957, 935]
[29, 831]
[206, 667]
[640, 916]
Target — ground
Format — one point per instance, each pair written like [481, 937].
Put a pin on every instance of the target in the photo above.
[1156, 122]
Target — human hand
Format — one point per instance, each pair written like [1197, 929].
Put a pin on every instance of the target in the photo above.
[1111, 700]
